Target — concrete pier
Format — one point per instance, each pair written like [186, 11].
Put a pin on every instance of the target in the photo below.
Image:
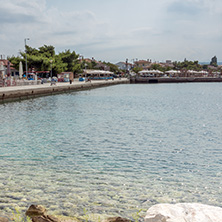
[16, 93]
[174, 79]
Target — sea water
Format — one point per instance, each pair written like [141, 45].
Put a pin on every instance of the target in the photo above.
[113, 151]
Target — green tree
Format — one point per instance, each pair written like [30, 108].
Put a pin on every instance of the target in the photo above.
[112, 67]
[16, 60]
[44, 58]
[38, 59]
[188, 65]
[136, 69]
[69, 58]
[48, 51]
[157, 67]
[214, 61]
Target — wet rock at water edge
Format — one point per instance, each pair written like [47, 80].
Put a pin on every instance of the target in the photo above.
[116, 219]
[45, 218]
[36, 210]
[38, 214]
[4, 219]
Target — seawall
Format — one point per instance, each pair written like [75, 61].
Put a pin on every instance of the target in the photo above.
[16, 93]
[174, 79]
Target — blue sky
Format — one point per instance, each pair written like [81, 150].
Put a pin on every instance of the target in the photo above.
[113, 30]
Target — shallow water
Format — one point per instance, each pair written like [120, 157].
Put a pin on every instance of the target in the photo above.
[113, 150]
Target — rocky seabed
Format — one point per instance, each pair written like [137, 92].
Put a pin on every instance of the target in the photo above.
[181, 212]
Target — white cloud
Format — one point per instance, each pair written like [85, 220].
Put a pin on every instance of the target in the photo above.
[150, 29]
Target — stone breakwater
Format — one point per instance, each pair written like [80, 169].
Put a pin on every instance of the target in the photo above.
[182, 212]
[174, 79]
[16, 93]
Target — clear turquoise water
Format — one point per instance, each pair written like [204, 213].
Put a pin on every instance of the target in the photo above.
[113, 150]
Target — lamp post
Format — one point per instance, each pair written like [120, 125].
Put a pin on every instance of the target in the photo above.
[85, 73]
[26, 66]
[51, 69]
[127, 71]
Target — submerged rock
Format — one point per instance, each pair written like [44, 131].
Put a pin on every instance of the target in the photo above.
[183, 212]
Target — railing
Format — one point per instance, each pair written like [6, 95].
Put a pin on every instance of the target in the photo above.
[18, 82]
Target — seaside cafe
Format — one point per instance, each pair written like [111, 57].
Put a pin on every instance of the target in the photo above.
[97, 74]
[65, 76]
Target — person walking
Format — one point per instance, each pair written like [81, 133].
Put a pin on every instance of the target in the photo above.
[70, 78]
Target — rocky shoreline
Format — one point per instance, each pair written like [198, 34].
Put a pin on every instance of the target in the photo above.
[38, 213]
[181, 212]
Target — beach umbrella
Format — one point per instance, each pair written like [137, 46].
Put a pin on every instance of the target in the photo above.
[142, 71]
[172, 71]
[159, 72]
[8, 69]
[20, 70]
[2, 70]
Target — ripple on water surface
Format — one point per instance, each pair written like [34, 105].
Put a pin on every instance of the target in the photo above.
[112, 150]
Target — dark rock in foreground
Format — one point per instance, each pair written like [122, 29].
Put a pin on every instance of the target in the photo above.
[38, 214]
[47, 218]
[35, 210]
[181, 212]
[116, 219]
[4, 219]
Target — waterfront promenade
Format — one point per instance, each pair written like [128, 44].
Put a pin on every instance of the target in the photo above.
[174, 79]
[15, 93]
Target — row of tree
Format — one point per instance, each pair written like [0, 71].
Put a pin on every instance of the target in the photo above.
[45, 59]
[189, 65]
[185, 65]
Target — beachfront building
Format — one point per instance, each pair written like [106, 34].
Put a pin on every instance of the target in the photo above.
[124, 65]
[150, 73]
[4, 64]
[144, 64]
[65, 76]
[167, 64]
[93, 74]
[102, 66]
[94, 64]
[8, 74]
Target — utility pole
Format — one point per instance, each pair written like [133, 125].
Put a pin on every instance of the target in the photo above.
[26, 66]
[127, 66]
[51, 69]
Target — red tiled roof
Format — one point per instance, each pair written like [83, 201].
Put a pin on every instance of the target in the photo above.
[5, 62]
[142, 61]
